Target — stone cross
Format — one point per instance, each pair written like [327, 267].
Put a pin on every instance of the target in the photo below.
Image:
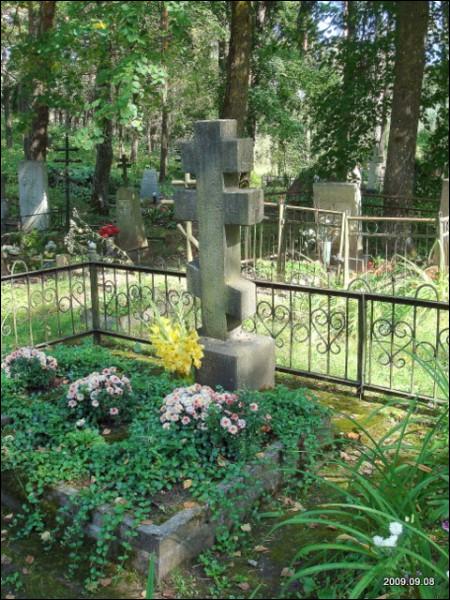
[217, 157]
[124, 164]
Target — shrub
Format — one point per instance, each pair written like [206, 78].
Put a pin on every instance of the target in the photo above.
[30, 367]
[101, 398]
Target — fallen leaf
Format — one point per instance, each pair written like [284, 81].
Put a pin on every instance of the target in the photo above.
[25, 571]
[423, 468]
[105, 582]
[260, 549]
[187, 483]
[146, 522]
[6, 560]
[237, 554]
[4, 532]
[8, 517]
[246, 527]
[297, 507]
[10, 596]
[260, 455]
[221, 461]
[169, 593]
[352, 435]
[253, 563]
[189, 505]
[29, 559]
[106, 431]
[244, 586]
[120, 500]
[287, 572]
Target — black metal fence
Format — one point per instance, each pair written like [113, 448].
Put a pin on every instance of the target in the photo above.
[371, 342]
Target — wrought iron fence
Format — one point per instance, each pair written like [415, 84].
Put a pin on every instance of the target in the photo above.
[364, 340]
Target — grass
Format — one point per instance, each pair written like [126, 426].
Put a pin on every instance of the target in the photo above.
[312, 332]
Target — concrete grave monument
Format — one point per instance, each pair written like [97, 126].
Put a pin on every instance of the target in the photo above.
[129, 220]
[149, 186]
[33, 195]
[346, 198]
[233, 359]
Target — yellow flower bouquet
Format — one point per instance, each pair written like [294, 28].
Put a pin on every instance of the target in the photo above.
[177, 348]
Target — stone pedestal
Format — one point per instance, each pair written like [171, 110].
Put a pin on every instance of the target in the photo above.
[149, 185]
[346, 198]
[129, 220]
[33, 195]
[243, 361]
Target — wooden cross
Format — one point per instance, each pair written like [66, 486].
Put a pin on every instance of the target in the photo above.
[124, 164]
[217, 157]
[67, 161]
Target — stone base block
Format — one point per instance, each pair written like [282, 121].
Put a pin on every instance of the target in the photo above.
[244, 361]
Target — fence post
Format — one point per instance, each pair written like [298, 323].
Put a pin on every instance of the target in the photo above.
[441, 249]
[94, 302]
[281, 258]
[362, 338]
[346, 253]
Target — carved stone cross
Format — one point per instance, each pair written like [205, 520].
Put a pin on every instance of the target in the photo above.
[216, 156]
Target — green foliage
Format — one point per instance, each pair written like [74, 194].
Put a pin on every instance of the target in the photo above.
[42, 448]
[400, 478]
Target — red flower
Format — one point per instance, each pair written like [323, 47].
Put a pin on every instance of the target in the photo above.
[108, 230]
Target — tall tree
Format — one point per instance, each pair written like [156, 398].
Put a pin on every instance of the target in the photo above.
[235, 103]
[36, 142]
[411, 31]
[164, 156]
[104, 148]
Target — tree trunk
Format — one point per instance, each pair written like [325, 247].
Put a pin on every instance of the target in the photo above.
[38, 136]
[7, 110]
[134, 146]
[104, 149]
[164, 156]
[344, 166]
[411, 31]
[235, 104]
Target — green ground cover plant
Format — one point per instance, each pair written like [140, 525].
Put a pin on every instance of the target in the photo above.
[130, 468]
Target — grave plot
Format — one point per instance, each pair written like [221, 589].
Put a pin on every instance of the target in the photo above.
[143, 463]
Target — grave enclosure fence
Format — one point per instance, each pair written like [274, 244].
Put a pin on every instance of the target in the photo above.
[363, 340]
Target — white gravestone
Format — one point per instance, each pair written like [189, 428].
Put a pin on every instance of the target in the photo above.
[346, 198]
[33, 195]
[149, 185]
[233, 359]
[129, 220]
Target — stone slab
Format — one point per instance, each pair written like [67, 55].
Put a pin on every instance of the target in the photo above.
[129, 220]
[149, 185]
[188, 532]
[243, 361]
[33, 195]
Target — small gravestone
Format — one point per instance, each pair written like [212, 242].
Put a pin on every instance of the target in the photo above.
[33, 195]
[129, 220]
[149, 186]
[232, 359]
[346, 198]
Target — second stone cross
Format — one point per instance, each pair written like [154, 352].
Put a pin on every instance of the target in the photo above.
[233, 359]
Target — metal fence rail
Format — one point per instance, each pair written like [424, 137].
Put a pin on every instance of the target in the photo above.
[364, 340]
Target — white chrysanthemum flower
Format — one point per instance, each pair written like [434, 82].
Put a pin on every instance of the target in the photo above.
[396, 528]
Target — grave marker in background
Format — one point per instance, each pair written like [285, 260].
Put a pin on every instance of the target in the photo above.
[149, 185]
[33, 195]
